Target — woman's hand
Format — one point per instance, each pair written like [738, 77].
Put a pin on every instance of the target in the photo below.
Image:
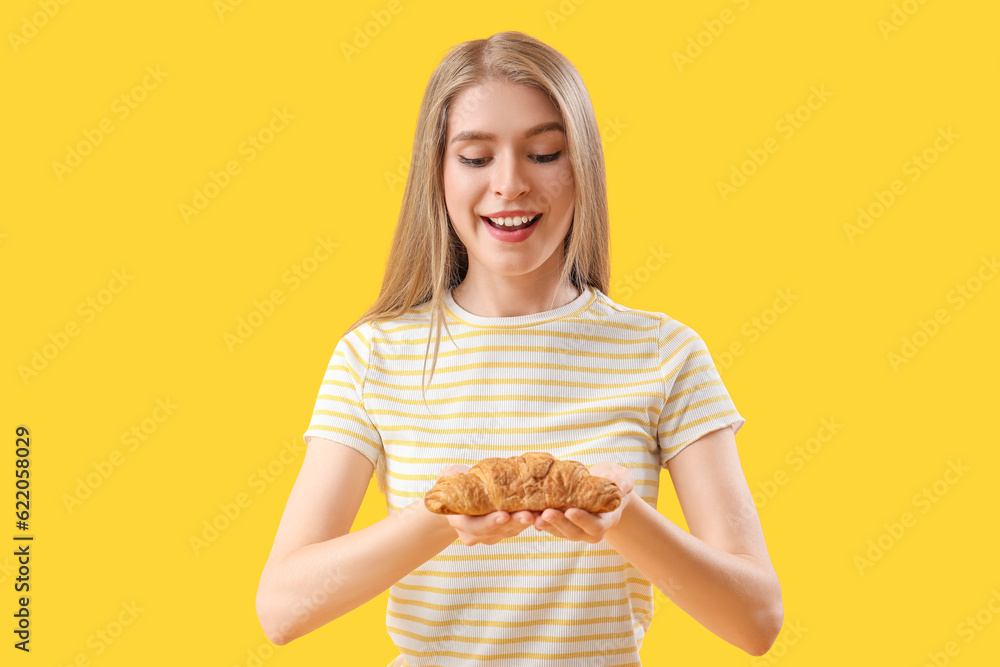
[581, 525]
[488, 528]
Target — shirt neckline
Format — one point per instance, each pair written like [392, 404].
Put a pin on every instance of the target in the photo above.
[585, 298]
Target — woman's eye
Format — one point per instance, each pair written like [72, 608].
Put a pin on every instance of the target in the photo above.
[479, 162]
[475, 162]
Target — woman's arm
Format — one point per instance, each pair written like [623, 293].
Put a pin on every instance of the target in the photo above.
[319, 570]
[720, 573]
[320, 582]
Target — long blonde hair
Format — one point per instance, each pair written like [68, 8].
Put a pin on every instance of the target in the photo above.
[427, 258]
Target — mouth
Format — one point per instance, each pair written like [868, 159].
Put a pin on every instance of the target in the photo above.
[511, 228]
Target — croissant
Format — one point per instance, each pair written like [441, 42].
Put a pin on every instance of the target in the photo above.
[533, 481]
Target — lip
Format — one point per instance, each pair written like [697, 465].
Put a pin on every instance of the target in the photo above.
[511, 214]
[511, 236]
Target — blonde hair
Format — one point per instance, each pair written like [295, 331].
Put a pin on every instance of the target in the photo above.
[427, 258]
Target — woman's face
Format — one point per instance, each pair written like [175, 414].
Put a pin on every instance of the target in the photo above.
[507, 154]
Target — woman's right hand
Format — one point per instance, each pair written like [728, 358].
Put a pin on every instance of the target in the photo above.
[488, 528]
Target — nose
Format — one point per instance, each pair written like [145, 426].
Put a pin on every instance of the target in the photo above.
[509, 181]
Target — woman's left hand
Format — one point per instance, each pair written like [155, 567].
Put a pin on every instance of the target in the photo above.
[581, 525]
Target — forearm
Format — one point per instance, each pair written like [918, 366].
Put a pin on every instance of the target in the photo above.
[320, 582]
[735, 597]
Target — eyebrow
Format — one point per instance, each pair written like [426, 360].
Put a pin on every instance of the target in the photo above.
[475, 135]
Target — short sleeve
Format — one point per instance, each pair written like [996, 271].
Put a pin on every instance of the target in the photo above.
[339, 413]
[697, 402]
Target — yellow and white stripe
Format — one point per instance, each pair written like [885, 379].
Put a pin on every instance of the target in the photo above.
[590, 381]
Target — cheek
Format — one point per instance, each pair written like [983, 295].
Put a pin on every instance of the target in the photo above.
[458, 189]
[448, 179]
[559, 188]
[570, 185]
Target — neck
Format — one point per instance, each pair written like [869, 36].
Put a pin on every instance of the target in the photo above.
[512, 297]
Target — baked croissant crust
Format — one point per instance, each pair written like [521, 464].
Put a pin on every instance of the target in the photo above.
[533, 481]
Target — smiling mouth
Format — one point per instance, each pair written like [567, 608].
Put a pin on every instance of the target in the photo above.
[520, 225]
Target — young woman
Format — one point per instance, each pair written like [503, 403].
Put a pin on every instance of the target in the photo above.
[503, 239]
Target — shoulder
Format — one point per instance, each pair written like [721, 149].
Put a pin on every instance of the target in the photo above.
[358, 337]
[675, 340]
[603, 306]
[666, 327]
[386, 332]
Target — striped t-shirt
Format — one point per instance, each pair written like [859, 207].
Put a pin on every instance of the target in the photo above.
[590, 381]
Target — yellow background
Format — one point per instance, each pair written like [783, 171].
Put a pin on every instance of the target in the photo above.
[671, 133]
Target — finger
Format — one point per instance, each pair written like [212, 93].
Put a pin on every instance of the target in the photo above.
[627, 483]
[552, 521]
[624, 484]
[543, 526]
[483, 523]
[585, 521]
[621, 476]
[453, 469]
[554, 530]
[473, 526]
[578, 524]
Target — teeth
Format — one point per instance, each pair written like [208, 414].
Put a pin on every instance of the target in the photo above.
[511, 222]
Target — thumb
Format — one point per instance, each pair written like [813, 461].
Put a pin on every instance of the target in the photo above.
[454, 469]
